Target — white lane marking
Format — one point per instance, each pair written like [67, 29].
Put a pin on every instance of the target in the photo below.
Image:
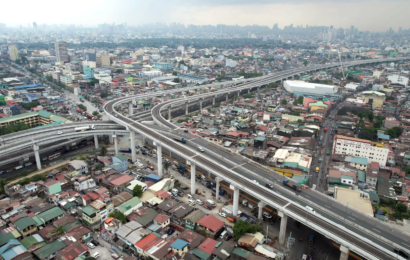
[307, 196]
[327, 206]
[238, 165]
[376, 230]
[287, 204]
[351, 217]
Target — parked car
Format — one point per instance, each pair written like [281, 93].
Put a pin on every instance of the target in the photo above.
[199, 202]
[191, 202]
[91, 245]
[150, 167]
[96, 255]
[266, 215]
[222, 214]
[95, 242]
[402, 253]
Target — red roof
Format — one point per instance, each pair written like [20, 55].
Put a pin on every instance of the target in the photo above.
[86, 197]
[163, 194]
[148, 242]
[374, 165]
[208, 246]
[262, 127]
[161, 218]
[121, 180]
[233, 134]
[93, 195]
[211, 222]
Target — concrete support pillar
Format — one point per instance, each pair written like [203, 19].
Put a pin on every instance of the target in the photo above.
[261, 204]
[116, 144]
[239, 93]
[213, 100]
[200, 104]
[344, 252]
[249, 90]
[130, 109]
[235, 200]
[96, 141]
[283, 224]
[37, 155]
[217, 180]
[186, 108]
[227, 97]
[110, 139]
[169, 113]
[193, 184]
[159, 159]
[67, 147]
[133, 152]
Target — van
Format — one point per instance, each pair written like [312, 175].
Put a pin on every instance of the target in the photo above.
[19, 167]
[311, 238]
[231, 219]
[210, 202]
[175, 190]
[223, 234]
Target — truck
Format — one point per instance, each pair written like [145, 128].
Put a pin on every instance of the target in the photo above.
[84, 128]
[125, 150]
[180, 139]
[229, 210]
[325, 129]
[292, 185]
[79, 111]
[317, 169]
[89, 116]
[181, 168]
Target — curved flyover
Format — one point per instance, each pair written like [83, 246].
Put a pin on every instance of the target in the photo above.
[352, 238]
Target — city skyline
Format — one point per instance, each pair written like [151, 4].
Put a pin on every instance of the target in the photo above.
[374, 16]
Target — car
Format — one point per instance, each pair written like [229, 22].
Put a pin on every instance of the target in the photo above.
[199, 202]
[200, 149]
[270, 186]
[266, 215]
[191, 202]
[181, 194]
[190, 196]
[310, 209]
[150, 167]
[254, 181]
[96, 255]
[59, 132]
[186, 130]
[171, 231]
[222, 214]
[402, 253]
[91, 245]
[95, 242]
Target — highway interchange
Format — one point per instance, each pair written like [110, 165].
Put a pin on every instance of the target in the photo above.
[339, 228]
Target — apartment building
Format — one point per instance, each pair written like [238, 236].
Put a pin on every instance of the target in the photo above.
[61, 51]
[373, 151]
[97, 212]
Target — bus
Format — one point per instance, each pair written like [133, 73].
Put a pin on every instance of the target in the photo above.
[54, 156]
[84, 128]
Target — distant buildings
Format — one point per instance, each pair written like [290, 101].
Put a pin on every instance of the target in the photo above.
[61, 51]
[163, 65]
[399, 80]
[13, 52]
[305, 87]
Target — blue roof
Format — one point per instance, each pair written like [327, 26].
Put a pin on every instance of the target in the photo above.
[383, 136]
[28, 86]
[359, 160]
[179, 244]
[12, 249]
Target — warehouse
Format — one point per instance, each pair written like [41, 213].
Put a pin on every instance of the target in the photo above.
[305, 87]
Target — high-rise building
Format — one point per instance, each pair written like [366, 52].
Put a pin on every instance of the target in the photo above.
[61, 51]
[90, 56]
[13, 52]
[103, 60]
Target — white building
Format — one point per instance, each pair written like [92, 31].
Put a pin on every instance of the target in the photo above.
[150, 74]
[399, 80]
[301, 86]
[373, 151]
[61, 51]
[352, 86]
[230, 63]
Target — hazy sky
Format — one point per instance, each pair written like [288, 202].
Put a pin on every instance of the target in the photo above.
[373, 15]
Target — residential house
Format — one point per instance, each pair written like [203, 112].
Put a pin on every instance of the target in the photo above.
[117, 185]
[25, 225]
[119, 163]
[12, 249]
[163, 220]
[48, 216]
[78, 165]
[205, 249]
[52, 187]
[180, 247]
[127, 207]
[211, 226]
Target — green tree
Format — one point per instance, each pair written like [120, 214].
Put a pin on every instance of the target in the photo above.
[174, 73]
[95, 113]
[94, 81]
[59, 230]
[119, 215]
[30, 105]
[3, 182]
[82, 107]
[241, 227]
[103, 150]
[38, 177]
[137, 191]
[390, 98]
[176, 80]
[24, 181]
[248, 95]
[305, 63]
[394, 132]
[284, 102]
[166, 165]
[118, 71]
[367, 133]
[98, 166]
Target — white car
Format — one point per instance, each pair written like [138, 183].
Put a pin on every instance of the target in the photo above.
[254, 181]
[310, 209]
[199, 202]
[190, 196]
[96, 255]
[191, 202]
[60, 132]
[222, 214]
[200, 149]
[266, 215]
[91, 245]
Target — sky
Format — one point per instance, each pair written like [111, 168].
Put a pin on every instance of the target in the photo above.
[366, 15]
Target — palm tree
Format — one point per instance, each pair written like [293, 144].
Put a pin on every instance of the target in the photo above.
[166, 166]
[103, 150]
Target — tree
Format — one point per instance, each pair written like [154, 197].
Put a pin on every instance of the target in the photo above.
[176, 80]
[119, 215]
[3, 182]
[103, 150]
[248, 95]
[390, 98]
[82, 107]
[394, 132]
[95, 113]
[174, 73]
[98, 166]
[305, 63]
[59, 230]
[166, 165]
[94, 81]
[118, 71]
[89, 258]
[137, 191]
[284, 102]
[241, 227]
[366, 134]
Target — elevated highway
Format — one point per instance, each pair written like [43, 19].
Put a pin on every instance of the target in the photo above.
[351, 237]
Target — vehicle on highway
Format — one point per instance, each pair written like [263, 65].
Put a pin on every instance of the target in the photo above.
[268, 185]
[200, 149]
[402, 253]
[59, 132]
[254, 181]
[310, 209]
[84, 128]
[222, 214]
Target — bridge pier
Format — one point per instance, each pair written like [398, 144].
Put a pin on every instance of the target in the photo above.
[249, 90]
[186, 108]
[115, 144]
[213, 100]
[37, 155]
[96, 142]
[283, 224]
[235, 200]
[217, 180]
[169, 113]
[193, 175]
[159, 159]
[344, 252]
[110, 139]
[261, 204]
[130, 109]
[227, 97]
[133, 153]
[200, 104]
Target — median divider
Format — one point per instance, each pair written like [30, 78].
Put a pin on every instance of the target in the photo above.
[221, 148]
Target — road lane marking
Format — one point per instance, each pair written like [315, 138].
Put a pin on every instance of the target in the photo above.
[287, 204]
[351, 217]
[307, 196]
[327, 206]
[376, 230]
[238, 165]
